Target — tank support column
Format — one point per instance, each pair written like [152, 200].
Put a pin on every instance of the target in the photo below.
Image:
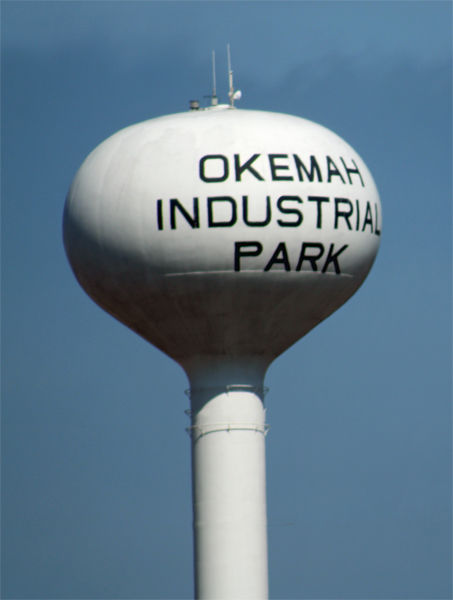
[229, 493]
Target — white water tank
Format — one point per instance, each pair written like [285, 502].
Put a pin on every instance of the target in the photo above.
[222, 237]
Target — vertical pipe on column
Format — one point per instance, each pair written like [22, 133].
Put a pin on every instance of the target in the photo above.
[229, 494]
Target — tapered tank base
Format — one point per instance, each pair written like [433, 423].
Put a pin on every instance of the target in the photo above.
[229, 493]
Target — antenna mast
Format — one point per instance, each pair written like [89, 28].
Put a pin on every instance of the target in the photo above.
[232, 94]
[214, 96]
[230, 79]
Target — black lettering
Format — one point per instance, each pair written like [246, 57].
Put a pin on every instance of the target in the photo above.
[231, 222]
[245, 213]
[312, 258]
[349, 171]
[160, 217]
[203, 175]
[289, 211]
[357, 221]
[368, 218]
[194, 221]
[275, 260]
[376, 230]
[246, 166]
[275, 168]
[238, 253]
[314, 168]
[319, 200]
[333, 258]
[342, 213]
[332, 170]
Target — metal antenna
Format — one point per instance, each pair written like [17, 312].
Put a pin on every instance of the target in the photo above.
[214, 96]
[230, 78]
[214, 99]
[232, 94]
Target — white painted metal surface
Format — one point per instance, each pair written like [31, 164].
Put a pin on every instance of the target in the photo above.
[223, 236]
[229, 494]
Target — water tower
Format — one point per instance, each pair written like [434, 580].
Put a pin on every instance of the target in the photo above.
[223, 236]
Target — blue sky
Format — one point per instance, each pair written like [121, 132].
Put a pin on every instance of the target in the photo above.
[95, 462]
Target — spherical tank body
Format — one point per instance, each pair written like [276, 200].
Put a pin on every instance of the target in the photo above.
[222, 236]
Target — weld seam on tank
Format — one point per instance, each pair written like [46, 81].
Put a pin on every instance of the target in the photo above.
[257, 427]
[231, 388]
